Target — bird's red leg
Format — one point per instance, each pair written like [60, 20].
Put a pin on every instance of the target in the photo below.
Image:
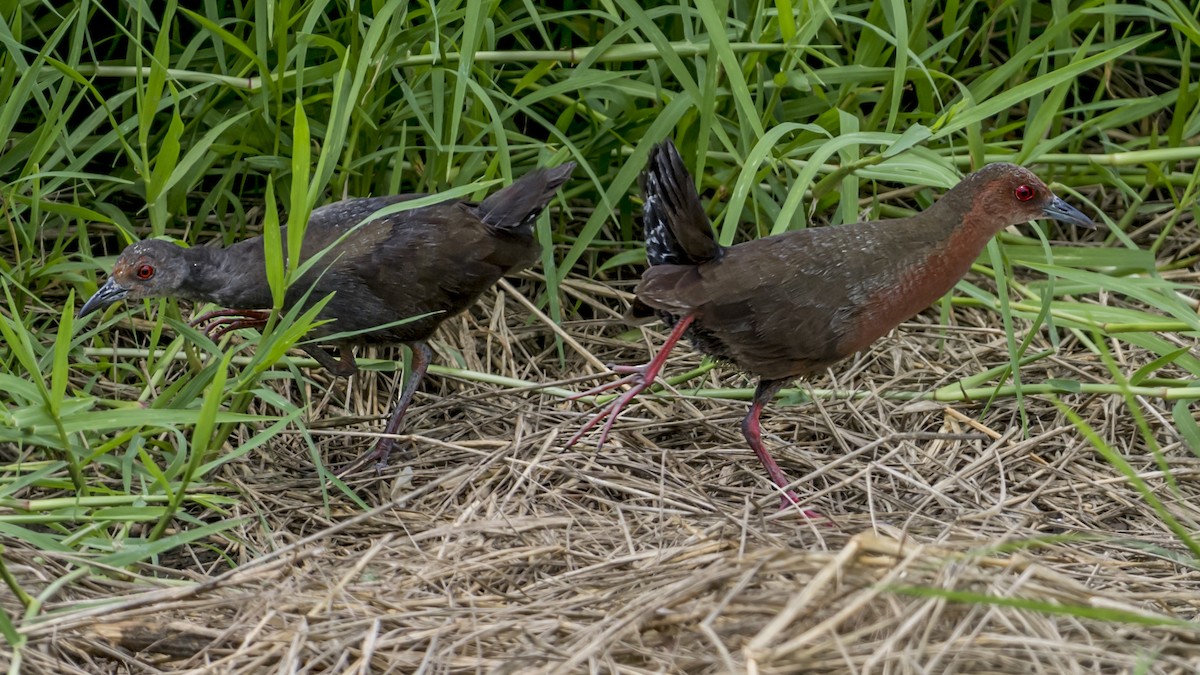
[219, 322]
[752, 430]
[421, 354]
[639, 378]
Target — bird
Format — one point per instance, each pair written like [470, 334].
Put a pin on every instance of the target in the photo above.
[426, 264]
[791, 305]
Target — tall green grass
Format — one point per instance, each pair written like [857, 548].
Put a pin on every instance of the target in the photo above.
[131, 120]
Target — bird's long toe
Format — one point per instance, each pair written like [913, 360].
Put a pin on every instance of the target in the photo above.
[605, 412]
[377, 456]
[638, 379]
[381, 454]
[217, 323]
[791, 500]
[217, 330]
[602, 388]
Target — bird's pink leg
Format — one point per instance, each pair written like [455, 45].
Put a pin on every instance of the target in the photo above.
[638, 377]
[752, 430]
[219, 322]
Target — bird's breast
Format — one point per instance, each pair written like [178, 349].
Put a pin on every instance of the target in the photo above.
[901, 295]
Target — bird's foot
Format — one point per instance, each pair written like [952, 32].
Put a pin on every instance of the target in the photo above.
[217, 323]
[791, 500]
[378, 455]
[637, 377]
[632, 375]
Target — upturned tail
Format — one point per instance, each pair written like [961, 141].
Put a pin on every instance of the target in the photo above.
[519, 204]
[678, 231]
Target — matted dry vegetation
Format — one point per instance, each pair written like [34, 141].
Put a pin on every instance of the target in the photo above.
[139, 536]
[954, 544]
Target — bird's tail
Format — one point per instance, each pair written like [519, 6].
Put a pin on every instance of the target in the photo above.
[678, 231]
[519, 204]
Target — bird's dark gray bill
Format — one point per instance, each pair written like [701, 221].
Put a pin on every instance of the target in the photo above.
[1060, 210]
[107, 294]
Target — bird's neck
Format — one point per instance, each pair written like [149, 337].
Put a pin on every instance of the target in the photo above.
[233, 277]
[960, 232]
[967, 224]
[943, 245]
[966, 218]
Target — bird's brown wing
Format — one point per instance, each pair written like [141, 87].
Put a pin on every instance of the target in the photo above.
[433, 261]
[779, 305]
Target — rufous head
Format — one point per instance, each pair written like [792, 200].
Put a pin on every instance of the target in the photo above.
[1013, 194]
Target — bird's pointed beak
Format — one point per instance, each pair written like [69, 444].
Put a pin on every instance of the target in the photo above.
[106, 295]
[1060, 210]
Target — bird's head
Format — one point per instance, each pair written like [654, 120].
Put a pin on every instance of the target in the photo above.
[1013, 194]
[146, 269]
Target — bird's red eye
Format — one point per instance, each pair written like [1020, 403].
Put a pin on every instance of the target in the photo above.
[145, 272]
[1023, 193]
